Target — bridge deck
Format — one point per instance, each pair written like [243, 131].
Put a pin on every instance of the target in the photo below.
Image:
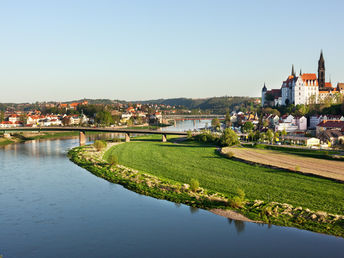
[89, 129]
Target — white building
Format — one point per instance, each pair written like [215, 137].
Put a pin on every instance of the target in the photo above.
[291, 124]
[303, 89]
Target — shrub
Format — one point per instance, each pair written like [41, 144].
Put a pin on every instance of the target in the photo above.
[99, 145]
[189, 136]
[239, 200]
[194, 185]
[113, 160]
[229, 138]
[116, 139]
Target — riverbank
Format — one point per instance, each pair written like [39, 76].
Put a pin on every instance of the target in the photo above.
[179, 191]
[23, 137]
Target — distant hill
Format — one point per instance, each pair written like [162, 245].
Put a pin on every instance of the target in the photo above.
[214, 105]
[218, 105]
[97, 101]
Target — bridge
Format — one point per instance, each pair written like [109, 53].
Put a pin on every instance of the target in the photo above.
[82, 131]
[192, 117]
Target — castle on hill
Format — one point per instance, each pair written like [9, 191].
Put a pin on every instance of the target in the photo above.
[306, 88]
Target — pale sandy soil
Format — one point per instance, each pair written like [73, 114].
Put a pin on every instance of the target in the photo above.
[231, 215]
[326, 168]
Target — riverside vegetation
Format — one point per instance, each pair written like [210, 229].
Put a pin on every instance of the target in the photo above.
[195, 174]
[20, 137]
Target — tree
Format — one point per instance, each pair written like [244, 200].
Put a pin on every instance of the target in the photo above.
[248, 127]
[302, 110]
[269, 110]
[229, 138]
[284, 132]
[194, 185]
[113, 160]
[215, 123]
[23, 119]
[262, 136]
[228, 120]
[129, 122]
[276, 136]
[99, 145]
[265, 123]
[269, 135]
[104, 118]
[189, 136]
[2, 116]
[66, 120]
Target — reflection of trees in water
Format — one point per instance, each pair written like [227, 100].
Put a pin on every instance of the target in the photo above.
[193, 210]
[177, 205]
[239, 225]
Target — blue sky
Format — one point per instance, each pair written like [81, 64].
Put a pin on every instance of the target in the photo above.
[136, 50]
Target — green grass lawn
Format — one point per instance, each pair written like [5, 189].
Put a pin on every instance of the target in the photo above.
[184, 161]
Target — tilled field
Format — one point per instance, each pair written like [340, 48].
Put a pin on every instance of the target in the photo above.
[326, 168]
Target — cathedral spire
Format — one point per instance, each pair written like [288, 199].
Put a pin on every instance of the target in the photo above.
[321, 71]
[292, 71]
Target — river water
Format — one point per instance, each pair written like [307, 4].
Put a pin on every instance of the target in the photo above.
[49, 207]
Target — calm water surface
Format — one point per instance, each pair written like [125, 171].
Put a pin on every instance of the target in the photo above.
[50, 207]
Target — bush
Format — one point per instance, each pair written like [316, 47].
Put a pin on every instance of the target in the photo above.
[189, 136]
[99, 145]
[194, 185]
[238, 201]
[229, 138]
[113, 160]
[116, 139]
[207, 137]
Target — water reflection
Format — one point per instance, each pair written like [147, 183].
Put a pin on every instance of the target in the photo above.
[187, 125]
[193, 210]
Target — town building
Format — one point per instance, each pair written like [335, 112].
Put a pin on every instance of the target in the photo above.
[307, 88]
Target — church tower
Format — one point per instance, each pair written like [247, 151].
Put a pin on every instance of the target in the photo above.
[321, 71]
[292, 71]
[264, 90]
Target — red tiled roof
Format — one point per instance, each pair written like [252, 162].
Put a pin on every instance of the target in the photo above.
[331, 124]
[309, 76]
[340, 86]
[275, 93]
[328, 85]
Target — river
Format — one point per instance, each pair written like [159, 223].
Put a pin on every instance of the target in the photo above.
[49, 207]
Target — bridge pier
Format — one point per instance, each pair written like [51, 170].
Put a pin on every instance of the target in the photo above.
[127, 137]
[164, 138]
[82, 138]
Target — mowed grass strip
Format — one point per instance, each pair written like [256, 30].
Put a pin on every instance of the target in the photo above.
[186, 161]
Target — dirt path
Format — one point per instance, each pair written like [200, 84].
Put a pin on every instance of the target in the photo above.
[326, 168]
